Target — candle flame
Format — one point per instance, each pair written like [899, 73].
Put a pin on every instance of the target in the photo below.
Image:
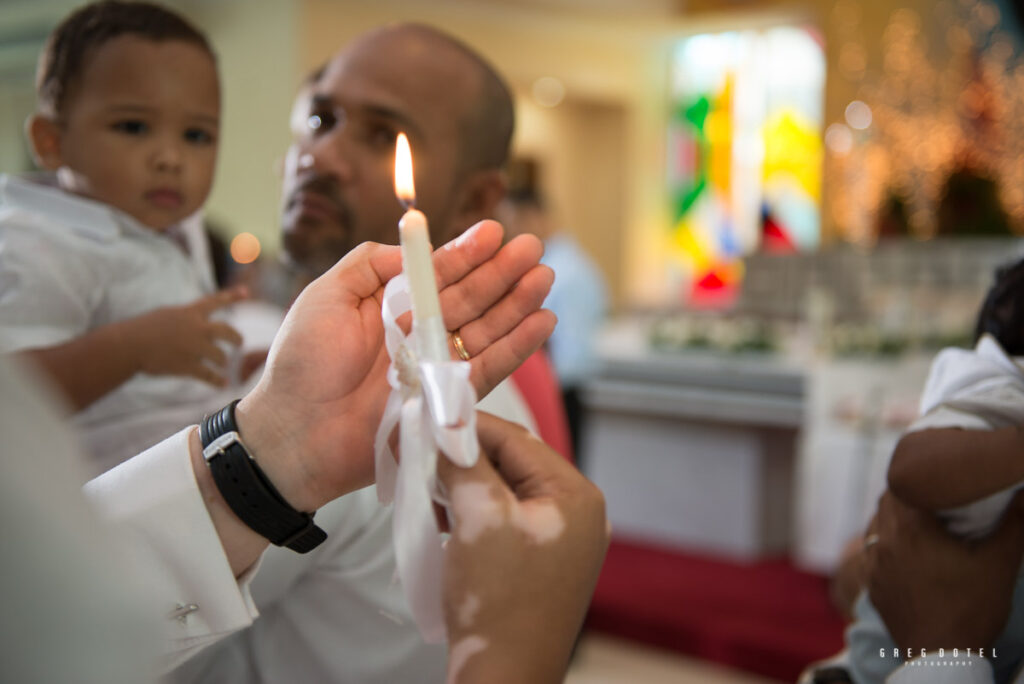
[404, 187]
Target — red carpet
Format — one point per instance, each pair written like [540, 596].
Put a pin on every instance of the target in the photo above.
[765, 617]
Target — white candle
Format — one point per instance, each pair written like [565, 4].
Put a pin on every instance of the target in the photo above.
[428, 326]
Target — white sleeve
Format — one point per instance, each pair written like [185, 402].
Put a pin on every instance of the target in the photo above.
[949, 417]
[71, 612]
[507, 402]
[47, 292]
[932, 669]
[333, 615]
[153, 500]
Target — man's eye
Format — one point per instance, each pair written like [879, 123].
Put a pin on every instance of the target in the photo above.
[130, 126]
[319, 122]
[381, 135]
[198, 136]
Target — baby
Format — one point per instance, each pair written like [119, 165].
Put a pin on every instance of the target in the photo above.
[105, 281]
[961, 459]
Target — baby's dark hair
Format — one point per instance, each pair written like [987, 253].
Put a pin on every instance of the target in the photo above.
[1002, 313]
[69, 46]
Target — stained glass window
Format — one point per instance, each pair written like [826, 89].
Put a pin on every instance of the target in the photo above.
[745, 153]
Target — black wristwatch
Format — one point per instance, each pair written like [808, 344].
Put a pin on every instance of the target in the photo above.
[248, 492]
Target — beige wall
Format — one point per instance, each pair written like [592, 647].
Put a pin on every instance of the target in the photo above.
[257, 45]
[581, 150]
[24, 25]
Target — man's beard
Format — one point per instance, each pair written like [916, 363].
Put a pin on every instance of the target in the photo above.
[313, 261]
[313, 244]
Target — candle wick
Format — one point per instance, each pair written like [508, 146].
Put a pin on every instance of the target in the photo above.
[407, 204]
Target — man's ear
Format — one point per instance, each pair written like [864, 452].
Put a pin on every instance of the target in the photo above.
[482, 192]
[43, 134]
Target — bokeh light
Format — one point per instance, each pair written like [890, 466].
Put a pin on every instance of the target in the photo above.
[245, 248]
[839, 139]
[548, 91]
[858, 115]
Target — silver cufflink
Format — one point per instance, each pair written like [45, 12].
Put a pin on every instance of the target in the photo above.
[182, 611]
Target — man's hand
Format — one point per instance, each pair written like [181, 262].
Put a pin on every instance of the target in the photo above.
[528, 537]
[935, 591]
[311, 420]
[182, 340]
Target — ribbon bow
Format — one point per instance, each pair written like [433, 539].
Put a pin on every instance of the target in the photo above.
[434, 404]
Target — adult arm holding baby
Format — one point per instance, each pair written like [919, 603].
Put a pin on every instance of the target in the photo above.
[938, 592]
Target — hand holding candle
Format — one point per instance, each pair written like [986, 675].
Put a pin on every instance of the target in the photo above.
[428, 326]
[432, 402]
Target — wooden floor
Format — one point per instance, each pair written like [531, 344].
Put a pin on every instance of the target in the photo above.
[604, 660]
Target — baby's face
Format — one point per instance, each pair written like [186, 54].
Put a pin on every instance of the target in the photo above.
[140, 129]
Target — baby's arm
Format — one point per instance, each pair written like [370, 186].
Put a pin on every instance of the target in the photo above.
[941, 468]
[177, 340]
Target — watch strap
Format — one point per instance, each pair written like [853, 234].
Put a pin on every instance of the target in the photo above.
[248, 491]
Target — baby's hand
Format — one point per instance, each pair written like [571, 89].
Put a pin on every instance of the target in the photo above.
[182, 340]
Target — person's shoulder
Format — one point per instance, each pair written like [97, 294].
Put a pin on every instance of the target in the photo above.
[563, 244]
[989, 348]
[36, 205]
[987, 358]
[565, 250]
[980, 382]
[575, 269]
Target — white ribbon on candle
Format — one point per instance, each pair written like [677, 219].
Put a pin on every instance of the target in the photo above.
[434, 404]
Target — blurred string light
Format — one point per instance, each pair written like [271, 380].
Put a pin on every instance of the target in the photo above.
[245, 248]
[839, 139]
[928, 112]
[858, 115]
[853, 60]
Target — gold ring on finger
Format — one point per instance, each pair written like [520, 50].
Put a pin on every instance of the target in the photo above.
[460, 347]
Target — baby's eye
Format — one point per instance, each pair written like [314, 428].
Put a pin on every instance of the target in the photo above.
[130, 126]
[198, 136]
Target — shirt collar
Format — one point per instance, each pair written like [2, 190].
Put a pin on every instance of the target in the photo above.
[39, 193]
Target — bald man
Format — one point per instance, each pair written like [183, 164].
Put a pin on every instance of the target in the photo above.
[338, 185]
[339, 171]
[338, 614]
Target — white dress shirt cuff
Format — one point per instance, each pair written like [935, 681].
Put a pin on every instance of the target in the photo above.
[155, 500]
[932, 669]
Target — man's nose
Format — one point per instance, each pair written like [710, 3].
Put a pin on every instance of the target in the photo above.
[330, 154]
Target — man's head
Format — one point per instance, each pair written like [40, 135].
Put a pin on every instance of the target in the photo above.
[339, 172]
[523, 211]
[129, 110]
